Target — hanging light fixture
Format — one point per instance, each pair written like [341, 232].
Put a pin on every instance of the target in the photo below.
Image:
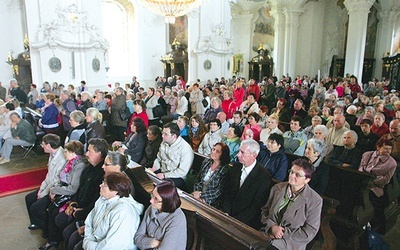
[171, 8]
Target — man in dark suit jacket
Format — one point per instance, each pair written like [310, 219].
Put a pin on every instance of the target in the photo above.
[247, 186]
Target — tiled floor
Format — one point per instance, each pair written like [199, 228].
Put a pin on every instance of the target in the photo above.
[14, 233]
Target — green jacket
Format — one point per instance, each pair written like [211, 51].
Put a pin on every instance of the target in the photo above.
[24, 131]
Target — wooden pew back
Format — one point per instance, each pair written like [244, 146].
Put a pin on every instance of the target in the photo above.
[209, 228]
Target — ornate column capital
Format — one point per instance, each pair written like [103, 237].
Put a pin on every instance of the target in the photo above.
[292, 18]
[358, 6]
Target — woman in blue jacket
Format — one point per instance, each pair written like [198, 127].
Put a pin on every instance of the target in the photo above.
[273, 157]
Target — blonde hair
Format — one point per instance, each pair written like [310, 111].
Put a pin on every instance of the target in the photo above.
[93, 112]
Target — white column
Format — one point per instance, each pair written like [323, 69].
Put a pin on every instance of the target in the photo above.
[291, 33]
[357, 31]
[242, 33]
[279, 40]
[386, 26]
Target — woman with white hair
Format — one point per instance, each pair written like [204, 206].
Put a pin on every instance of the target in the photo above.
[350, 115]
[94, 127]
[321, 133]
[320, 176]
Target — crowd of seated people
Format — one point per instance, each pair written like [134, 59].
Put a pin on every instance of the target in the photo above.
[244, 140]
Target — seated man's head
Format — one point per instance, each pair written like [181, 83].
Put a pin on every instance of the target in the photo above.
[221, 116]
[338, 122]
[295, 123]
[298, 104]
[15, 118]
[97, 150]
[50, 143]
[366, 126]
[350, 139]
[248, 152]
[237, 117]
[394, 128]
[170, 133]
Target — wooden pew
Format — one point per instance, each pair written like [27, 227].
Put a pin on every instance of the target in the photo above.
[392, 210]
[214, 229]
[350, 188]
[209, 228]
[325, 238]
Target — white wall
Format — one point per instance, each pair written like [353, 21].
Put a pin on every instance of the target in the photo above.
[12, 36]
[309, 42]
[150, 37]
[211, 42]
[70, 31]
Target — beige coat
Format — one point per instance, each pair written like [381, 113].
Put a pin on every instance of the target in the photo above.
[301, 220]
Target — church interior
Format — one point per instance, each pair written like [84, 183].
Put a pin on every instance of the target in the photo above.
[104, 42]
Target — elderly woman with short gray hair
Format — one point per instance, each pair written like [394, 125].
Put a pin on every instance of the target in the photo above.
[320, 176]
[77, 120]
[321, 132]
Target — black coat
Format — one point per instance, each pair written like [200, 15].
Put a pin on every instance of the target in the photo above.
[19, 94]
[320, 178]
[342, 155]
[136, 145]
[244, 203]
[150, 152]
[95, 130]
[88, 191]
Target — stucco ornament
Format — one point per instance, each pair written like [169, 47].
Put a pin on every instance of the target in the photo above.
[217, 42]
[63, 31]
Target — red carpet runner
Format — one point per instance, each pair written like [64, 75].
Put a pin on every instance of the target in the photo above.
[22, 181]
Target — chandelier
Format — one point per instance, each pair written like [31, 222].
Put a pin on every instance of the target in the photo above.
[171, 8]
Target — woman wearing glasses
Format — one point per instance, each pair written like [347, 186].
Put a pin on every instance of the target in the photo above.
[115, 217]
[164, 223]
[291, 217]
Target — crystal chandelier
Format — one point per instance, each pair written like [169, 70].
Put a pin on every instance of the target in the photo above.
[171, 8]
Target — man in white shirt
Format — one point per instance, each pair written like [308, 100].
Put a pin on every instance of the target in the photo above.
[174, 158]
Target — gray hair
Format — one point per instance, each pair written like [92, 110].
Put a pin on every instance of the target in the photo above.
[370, 108]
[253, 146]
[77, 116]
[87, 93]
[353, 133]
[13, 80]
[317, 144]
[316, 118]
[322, 128]
[181, 93]
[216, 99]
[351, 107]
